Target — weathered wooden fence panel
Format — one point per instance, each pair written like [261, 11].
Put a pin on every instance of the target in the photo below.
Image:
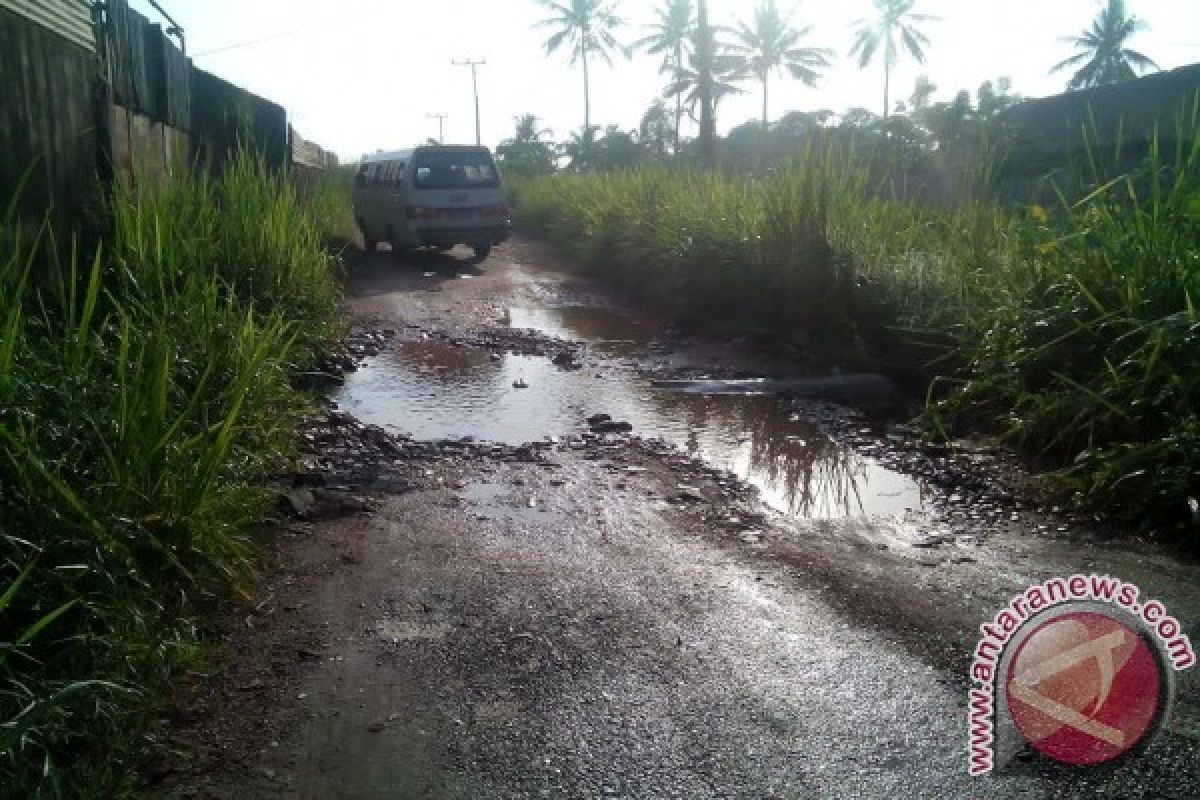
[48, 103]
[225, 116]
[93, 93]
[144, 152]
[170, 79]
[151, 93]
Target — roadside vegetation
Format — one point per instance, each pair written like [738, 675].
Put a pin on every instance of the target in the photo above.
[1066, 321]
[145, 401]
[1070, 327]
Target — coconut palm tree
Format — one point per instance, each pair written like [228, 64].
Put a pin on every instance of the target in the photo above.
[704, 49]
[587, 26]
[894, 27]
[718, 74]
[670, 37]
[770, 44]
[1103, 57]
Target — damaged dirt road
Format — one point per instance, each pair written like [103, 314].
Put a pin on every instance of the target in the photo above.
[745, 598]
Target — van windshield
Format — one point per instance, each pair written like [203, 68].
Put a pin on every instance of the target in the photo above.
[465, 169]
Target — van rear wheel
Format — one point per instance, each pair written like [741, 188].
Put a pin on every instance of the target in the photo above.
[481, 251]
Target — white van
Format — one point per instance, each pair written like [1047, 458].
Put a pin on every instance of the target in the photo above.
[434, 196]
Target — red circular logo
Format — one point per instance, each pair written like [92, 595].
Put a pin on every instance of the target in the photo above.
[1084, 688]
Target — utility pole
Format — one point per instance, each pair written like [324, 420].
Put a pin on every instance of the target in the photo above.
[475, 87]
[441, 118]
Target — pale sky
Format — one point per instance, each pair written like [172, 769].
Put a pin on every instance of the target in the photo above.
[357, 75]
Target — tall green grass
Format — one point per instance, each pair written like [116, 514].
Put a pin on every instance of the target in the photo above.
[816, 250]
[1071, 329]
[1095, 361]
[143, 403]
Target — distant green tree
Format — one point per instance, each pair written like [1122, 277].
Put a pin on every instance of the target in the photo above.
[588, 149]
[655, 132]
[587, 26]
[887, 146]
[858, 118]
[1102, 56]
[797, 124]
[529, 150]
[746, 147]
[895, 26]
[992, 98]
[670, 37]
[770, 44]
[922, 93]
[950, 124]
[578, 149]
[617, 149]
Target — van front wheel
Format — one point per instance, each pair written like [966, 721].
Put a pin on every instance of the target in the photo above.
[481, 251]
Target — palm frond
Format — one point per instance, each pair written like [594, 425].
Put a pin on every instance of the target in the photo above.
[1067, 63]
[1140, 60]
[865, 46]
[913, 45]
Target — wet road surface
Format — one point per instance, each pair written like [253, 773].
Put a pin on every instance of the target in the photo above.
[570, 629]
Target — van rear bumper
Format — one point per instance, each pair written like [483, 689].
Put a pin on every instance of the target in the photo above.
[476, 234]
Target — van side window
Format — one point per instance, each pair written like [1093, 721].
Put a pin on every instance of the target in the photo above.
[393, 173]
[360, 177]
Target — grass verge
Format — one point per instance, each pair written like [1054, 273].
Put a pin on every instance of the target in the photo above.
[144, 401]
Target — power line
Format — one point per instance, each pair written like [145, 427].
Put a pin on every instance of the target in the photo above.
[276, 36]
[475, 87]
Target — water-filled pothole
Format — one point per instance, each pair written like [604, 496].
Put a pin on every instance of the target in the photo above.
[434, 390]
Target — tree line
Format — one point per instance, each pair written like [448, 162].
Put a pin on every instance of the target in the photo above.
[703, 64]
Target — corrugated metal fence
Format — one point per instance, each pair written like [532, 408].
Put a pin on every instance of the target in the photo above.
[96, 93]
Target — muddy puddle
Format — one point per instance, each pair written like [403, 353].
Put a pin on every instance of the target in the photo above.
[434, 390]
